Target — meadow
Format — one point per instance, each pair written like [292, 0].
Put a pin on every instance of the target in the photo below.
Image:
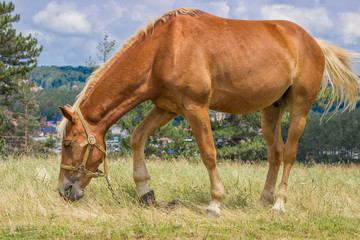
[323, 203]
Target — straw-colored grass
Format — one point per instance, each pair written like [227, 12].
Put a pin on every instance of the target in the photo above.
[323, 203]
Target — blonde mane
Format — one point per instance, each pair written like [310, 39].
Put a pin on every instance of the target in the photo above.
[140, 34]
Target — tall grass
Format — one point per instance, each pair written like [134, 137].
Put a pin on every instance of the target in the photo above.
[323, 203]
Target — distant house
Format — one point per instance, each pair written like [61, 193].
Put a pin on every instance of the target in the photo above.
[36, 89]
[115, 130]
[58, 120]
[24, 81]
[51, 123]
[74, 87]
[50, 132]
[217, 116]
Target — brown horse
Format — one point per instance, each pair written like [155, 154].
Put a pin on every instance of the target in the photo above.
[188, 62]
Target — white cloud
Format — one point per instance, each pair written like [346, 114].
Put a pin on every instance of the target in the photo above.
[42, 38]
[350, 27]
[63, 18]
[315, 20]
[100, 21]
[241, 11]
[220, 9]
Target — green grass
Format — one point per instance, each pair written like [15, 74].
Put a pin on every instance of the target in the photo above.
[323, 203]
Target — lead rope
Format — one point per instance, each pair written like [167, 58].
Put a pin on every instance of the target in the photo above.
[112, 190]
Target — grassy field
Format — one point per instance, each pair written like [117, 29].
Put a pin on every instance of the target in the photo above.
[323, 203]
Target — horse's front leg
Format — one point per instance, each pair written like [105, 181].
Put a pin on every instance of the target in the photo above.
[198, 118]
[154, 120]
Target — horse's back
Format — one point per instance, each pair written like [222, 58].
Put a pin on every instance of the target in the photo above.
[250, 63]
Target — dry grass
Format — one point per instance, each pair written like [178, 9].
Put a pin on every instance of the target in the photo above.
[323, 203]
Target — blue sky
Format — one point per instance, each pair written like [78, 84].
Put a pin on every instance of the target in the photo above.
[70, 30]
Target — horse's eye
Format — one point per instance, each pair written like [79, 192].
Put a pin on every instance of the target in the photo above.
[67, 144]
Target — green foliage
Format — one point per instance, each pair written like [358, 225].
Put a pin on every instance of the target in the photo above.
[133, 118]
[91, 63]
[236, 137]
[18, 55]
[177, 144]
[250, 150]
[106, 48]
[61, 77]
[49, 143]
[2, 143]
[337, 139]
[59, 85]
[25, 114]
[182, 142]
[50, 99]
[324, 96]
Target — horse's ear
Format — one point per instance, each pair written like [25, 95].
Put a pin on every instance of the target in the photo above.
[65, 111]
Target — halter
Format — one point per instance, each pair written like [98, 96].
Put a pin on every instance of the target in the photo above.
[90, 142]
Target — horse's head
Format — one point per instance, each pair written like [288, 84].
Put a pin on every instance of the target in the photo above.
[81, 155]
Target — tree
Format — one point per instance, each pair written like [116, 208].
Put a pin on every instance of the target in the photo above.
[105, 48]
[337, 139]
[237, 137]
[26, 107]
[91, 63]
[18, 55]
[50, 99]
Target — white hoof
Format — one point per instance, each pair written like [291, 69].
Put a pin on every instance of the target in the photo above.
[279, 206]
[211, 213]
[213, 209]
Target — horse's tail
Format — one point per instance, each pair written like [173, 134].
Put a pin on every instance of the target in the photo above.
[341, 73]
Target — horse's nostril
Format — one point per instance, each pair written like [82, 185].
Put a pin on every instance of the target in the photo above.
[68, 192]
[71, 191]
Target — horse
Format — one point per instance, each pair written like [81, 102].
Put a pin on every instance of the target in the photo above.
[189, 61]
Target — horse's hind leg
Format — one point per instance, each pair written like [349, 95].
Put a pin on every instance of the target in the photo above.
[271, 125]
[299, 106]
[198, 118]
[154, 120]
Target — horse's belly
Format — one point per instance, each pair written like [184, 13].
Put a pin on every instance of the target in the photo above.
[247, 98]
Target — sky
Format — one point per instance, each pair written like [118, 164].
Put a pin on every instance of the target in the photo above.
[70, 30]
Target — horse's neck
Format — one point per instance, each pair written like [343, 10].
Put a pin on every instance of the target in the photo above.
[121, 88]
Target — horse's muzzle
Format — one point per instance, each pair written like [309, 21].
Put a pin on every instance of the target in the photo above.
[70, 190]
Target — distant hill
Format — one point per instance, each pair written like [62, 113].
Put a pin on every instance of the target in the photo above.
[61, 77]
[61, 86]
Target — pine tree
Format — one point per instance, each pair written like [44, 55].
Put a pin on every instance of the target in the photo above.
[26, 107]
[18, 55]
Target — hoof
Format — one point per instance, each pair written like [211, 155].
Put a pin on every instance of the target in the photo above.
[213, 210]
[148, 198]
[212, 213]
[267, 199]
[279, 206]
[266, 202]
